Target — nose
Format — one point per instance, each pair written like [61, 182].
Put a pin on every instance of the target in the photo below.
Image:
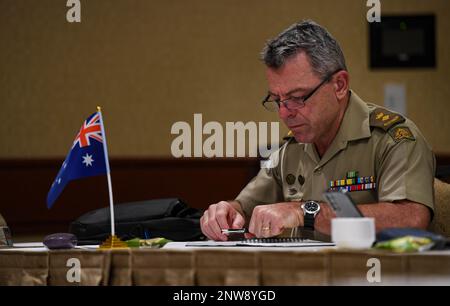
[285, 113]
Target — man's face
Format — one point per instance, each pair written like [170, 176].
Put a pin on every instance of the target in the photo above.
[296, 79]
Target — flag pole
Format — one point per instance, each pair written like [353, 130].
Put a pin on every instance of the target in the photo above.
[112, 241]
[108, 172]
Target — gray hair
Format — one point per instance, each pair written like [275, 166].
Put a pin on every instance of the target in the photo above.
[322, 49]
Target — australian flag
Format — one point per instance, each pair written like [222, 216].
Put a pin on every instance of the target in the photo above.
[85, 158]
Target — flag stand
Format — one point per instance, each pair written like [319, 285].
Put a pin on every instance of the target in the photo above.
[112, 242]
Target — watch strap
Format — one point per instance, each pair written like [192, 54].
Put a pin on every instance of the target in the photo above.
[308, 221]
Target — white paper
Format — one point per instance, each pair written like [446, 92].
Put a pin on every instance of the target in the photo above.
[211, 243]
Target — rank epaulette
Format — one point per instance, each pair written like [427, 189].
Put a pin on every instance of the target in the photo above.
[384, 119]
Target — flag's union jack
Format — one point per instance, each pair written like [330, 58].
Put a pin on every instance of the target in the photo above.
[90, 129]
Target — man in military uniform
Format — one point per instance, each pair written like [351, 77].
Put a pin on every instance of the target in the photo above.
[337, 142]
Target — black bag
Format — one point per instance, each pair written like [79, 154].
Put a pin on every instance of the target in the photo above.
[169, 218]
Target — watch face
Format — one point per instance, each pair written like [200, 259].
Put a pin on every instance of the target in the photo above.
[311, 207]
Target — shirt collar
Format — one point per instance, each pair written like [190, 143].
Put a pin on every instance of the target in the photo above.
[355, 125]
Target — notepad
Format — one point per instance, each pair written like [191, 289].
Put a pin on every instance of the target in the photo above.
[262, 242]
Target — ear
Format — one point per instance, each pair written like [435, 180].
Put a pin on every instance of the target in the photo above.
[341, 84]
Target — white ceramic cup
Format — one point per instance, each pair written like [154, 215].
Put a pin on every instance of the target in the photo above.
[353, 233]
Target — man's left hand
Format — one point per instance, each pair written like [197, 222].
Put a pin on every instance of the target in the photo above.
[323, 219]
[271, 220]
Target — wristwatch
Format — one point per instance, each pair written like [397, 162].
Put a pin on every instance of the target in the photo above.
[310, 210]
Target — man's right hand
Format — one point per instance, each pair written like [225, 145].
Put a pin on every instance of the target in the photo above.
[222, 215]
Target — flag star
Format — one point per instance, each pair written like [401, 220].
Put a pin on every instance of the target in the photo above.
[59, 181]
[87, 160]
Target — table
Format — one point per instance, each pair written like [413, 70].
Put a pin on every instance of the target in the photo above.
[178, 265]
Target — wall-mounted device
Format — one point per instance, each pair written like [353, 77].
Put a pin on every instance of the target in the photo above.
[403, 41]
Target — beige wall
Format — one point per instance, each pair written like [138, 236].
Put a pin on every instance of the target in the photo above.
[151, 63]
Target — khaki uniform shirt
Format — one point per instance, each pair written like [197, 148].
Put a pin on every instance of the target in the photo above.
[377, 155]
[2, 221]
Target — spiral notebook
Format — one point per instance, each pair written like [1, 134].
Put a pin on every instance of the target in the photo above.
[262, 242]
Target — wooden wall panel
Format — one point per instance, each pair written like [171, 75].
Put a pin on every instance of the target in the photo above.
[199, 182]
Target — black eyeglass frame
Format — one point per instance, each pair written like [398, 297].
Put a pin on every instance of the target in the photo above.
[304, 98]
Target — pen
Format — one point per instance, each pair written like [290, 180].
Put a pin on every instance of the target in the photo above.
[234, 231]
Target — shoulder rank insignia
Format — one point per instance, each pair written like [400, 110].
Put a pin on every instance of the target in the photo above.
[401, 132]
[382, 118]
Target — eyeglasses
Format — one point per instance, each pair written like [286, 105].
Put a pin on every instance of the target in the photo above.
[272, 104]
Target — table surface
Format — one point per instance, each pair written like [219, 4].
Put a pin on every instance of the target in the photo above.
[176, 264]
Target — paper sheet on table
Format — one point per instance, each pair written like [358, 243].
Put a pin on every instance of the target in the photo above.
[257, 243]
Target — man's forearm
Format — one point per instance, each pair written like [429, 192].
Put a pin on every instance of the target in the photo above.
[399, 214]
